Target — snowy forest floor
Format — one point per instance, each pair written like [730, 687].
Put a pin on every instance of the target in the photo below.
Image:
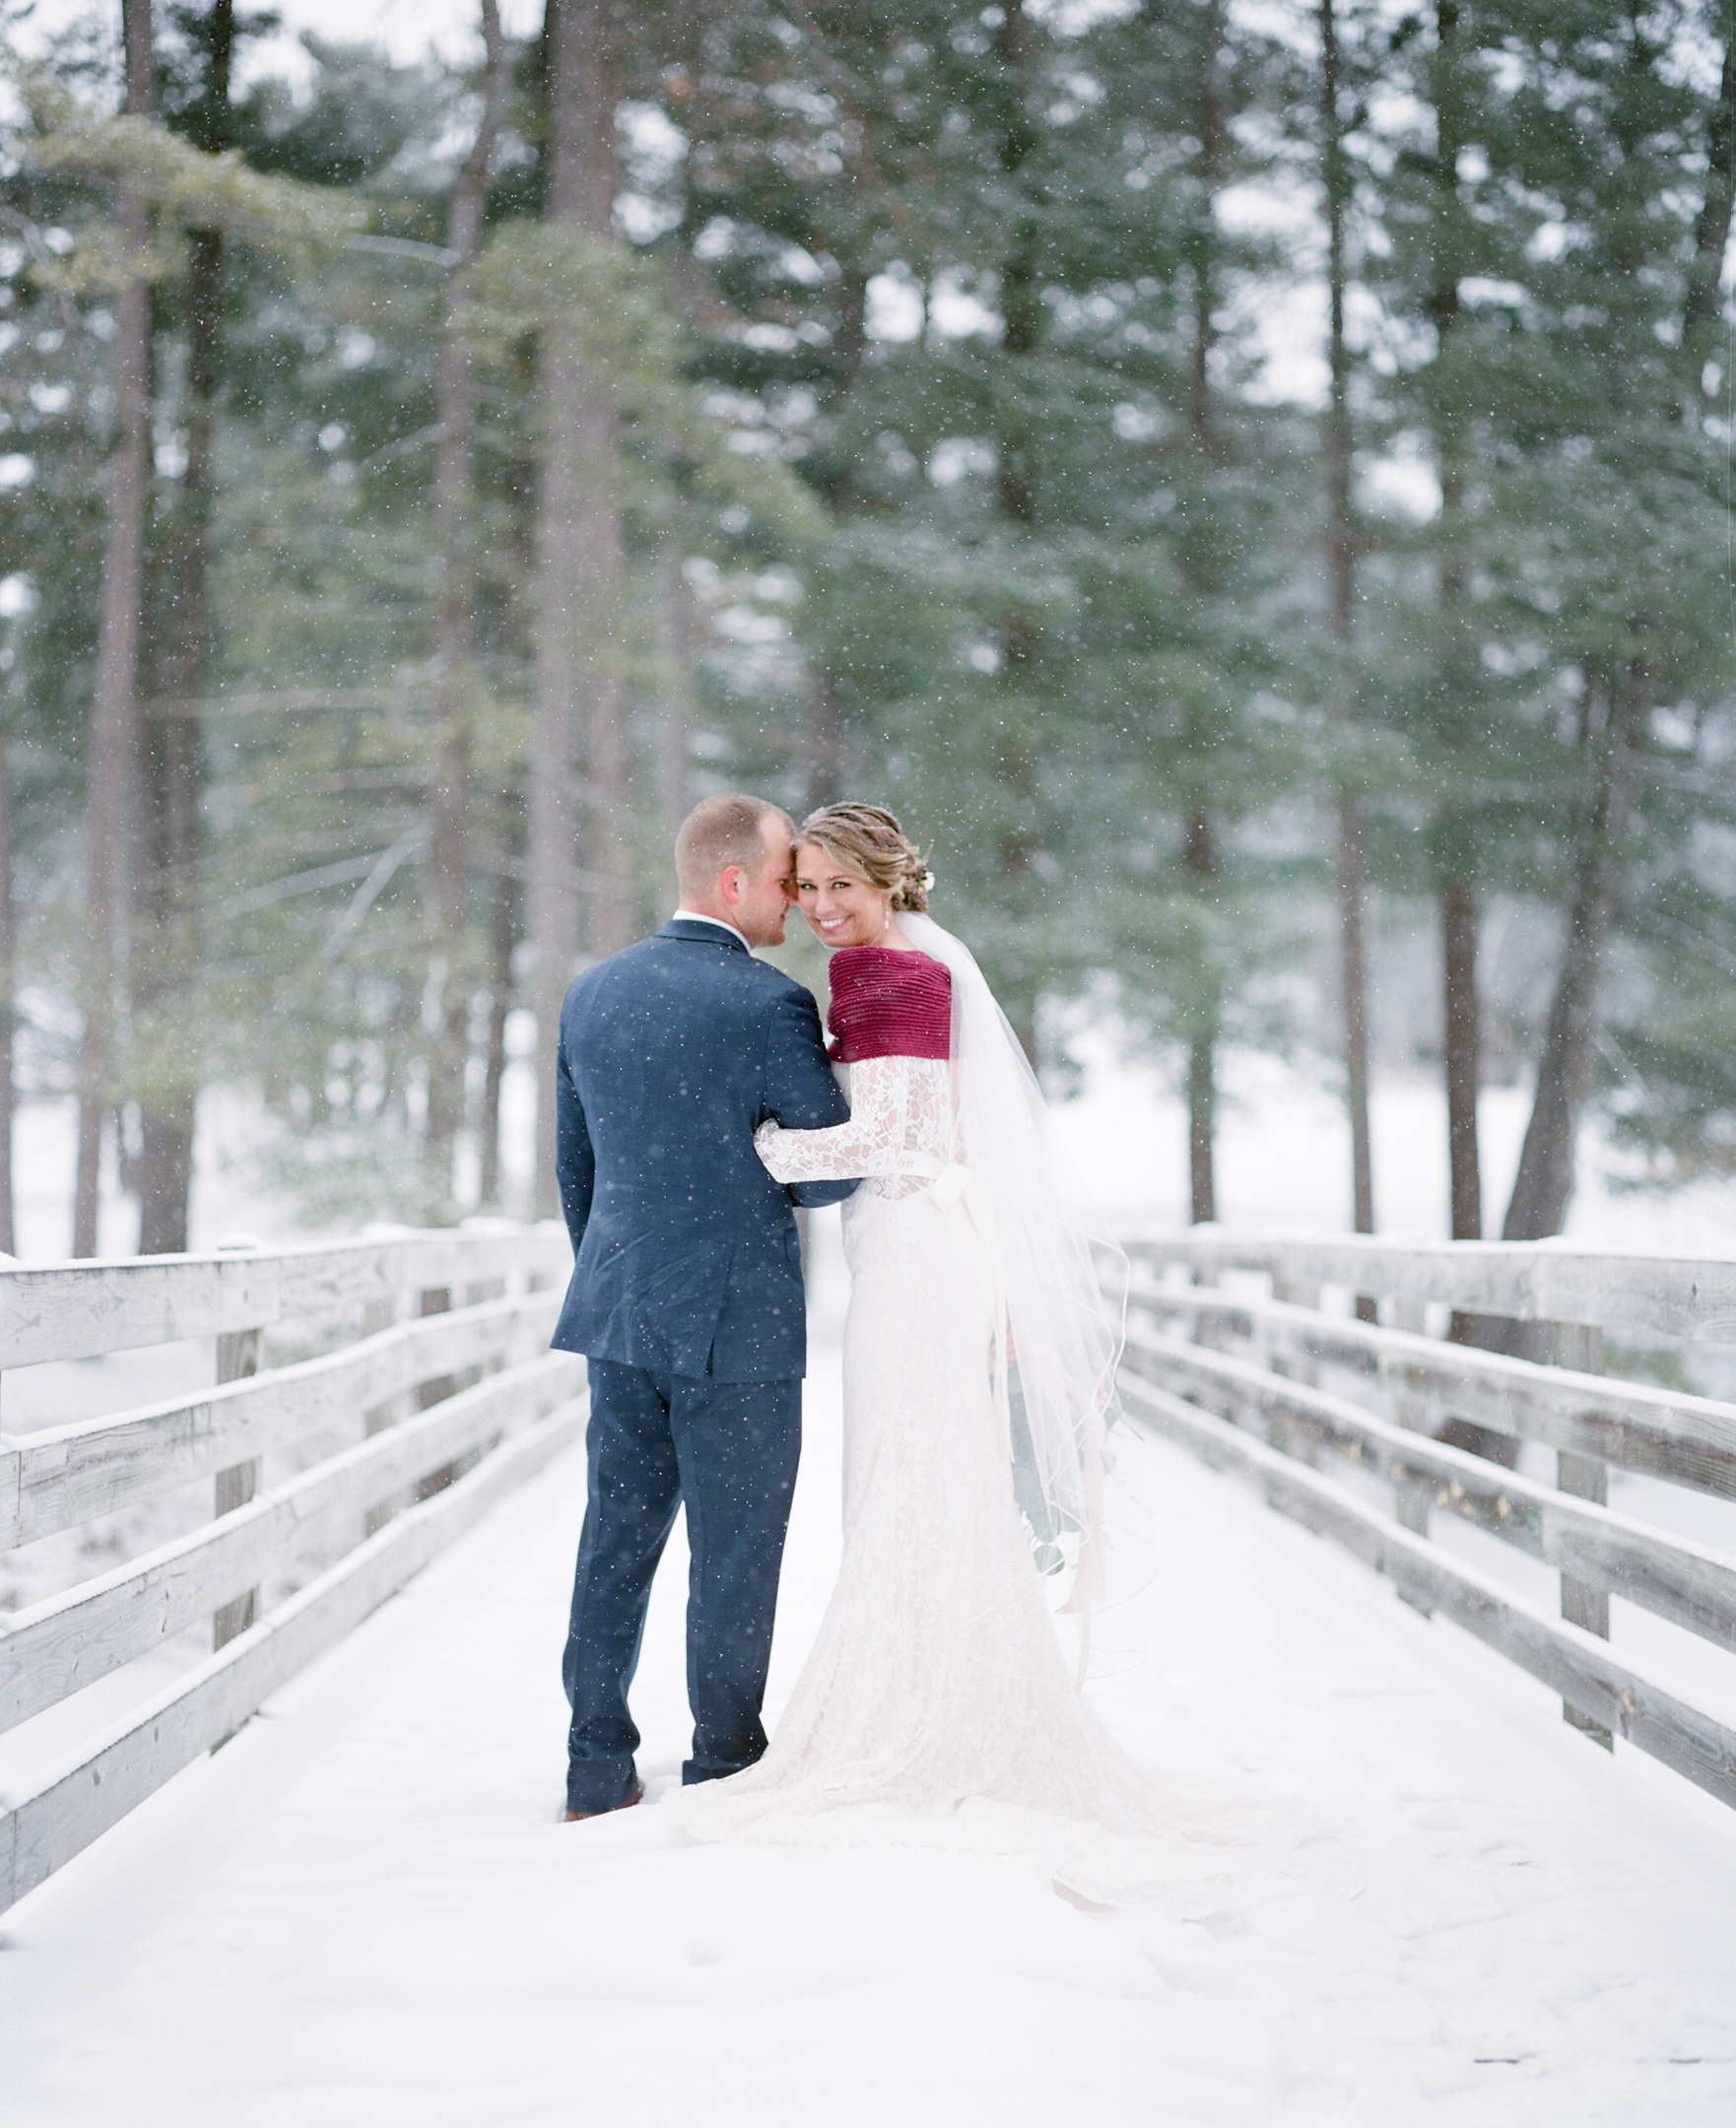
[1283, 1158]
[363, 1912]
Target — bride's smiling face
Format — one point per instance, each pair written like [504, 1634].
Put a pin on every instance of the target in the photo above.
[840, 906]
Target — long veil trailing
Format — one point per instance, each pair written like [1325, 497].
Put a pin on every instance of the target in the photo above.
[1057, 1339]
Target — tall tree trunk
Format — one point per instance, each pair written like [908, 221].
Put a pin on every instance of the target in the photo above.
[1341, 562]
[1202, 1123]
[1462, 1021]
[1023, 317]
[177, 655]
[1464, 1053]
[1023, 312]
[585, 91]
[674, 725]
[1454, 846]
[455, 637]
[1200, 856]
[826, 746]
[1354, 978]
[166, 944]
[503, 936]
[834, 472]
[1461, 1031]
[1461, 1047]
[8, 1014]
[1461, 1052]
[579, 568]
[850, 342]
[824, 735]
[1612, 736]
[111, 766]
[1200, 851]
[1200, 238]
[1712, 236]
[1023, 323]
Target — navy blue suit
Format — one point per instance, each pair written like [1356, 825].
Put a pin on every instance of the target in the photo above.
[687, 1300]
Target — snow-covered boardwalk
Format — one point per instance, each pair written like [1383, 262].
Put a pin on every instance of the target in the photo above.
[363, 1912]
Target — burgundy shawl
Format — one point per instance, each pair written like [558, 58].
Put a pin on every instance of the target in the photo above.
[888, 1003]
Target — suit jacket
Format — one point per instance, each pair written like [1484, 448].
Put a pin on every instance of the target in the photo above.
[672, 1054]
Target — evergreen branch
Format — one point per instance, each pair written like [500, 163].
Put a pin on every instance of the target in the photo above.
[188, 189]
[538, 277]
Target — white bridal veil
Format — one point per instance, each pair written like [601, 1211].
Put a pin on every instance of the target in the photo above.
[1057, 1339]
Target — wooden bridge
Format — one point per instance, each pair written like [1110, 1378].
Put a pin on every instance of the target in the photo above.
[1305, 1367]
[363, 1910]
[430, 1391]
[1231, 1352]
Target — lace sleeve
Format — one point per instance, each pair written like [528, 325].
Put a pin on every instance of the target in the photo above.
[871, 1143]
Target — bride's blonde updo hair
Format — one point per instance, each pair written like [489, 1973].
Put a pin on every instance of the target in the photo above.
[867, 839]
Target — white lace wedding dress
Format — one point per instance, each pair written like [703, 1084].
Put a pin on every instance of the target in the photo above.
[937, 1707]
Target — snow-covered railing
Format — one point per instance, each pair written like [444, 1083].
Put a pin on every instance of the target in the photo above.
[1230, 1354]
[437, 1395]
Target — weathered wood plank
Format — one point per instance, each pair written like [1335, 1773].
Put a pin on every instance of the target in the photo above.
[1689, 1441]
[1581, 1668]
[1692, 1585]
[380, 1315]
[67, 1474]
[73, 1310]
[1550, 1281]
[48, 1829]
[60, 1646]
[241, 1354]
[1579, 1346]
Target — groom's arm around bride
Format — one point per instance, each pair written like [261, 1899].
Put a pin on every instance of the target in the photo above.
[687, 1290]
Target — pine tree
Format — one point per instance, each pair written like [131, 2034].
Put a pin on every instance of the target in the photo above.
[110, 801]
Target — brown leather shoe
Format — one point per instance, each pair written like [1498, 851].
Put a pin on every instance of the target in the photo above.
[574, 1817]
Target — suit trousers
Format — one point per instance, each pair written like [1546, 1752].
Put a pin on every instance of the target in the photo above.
[726, 1452]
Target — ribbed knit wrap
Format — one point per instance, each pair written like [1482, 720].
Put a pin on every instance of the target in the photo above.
[888, 1003]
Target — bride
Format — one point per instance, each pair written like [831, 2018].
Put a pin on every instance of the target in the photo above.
[979, 1366]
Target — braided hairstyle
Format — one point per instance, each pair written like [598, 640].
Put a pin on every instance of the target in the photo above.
[867, 839]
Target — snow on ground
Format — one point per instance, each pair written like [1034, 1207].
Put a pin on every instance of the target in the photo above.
[363, 1912]
[1283, 1157]
[1282, 1160]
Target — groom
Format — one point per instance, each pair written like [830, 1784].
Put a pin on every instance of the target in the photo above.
[687, 1290]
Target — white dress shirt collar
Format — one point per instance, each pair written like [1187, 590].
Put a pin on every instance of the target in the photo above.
[688, 915]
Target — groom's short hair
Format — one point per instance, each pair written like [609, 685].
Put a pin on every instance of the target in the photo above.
[728, 830]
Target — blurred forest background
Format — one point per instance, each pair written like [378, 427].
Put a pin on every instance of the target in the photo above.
[1220, 471]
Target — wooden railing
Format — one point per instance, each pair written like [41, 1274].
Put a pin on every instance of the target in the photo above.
[439, 1395]
[1231, 1352]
